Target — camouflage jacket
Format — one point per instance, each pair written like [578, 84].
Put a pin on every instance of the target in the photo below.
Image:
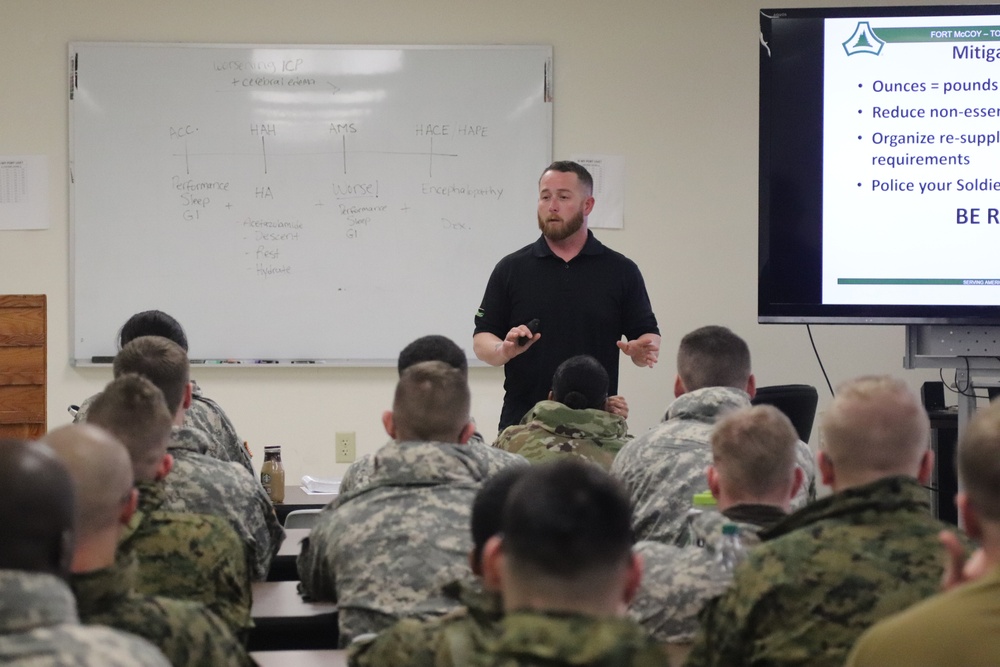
[491, 460]
[188, 556]
[384, 551]
[551, 430]
[39, 628]
[205, 415]
[203, 485]
[524, 639]
[187, 633]
[822, 576]
[415, 643]
[678, 579]
[664, 467]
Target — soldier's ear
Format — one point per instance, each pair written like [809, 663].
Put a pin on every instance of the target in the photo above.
[633, 577]
[467, 432]
[389, 424]
[713, 481]
[166, 465]
[493, 564]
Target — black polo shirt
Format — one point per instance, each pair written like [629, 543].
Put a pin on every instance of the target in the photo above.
[585, 306]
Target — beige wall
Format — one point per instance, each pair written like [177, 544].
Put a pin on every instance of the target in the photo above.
[669, 84]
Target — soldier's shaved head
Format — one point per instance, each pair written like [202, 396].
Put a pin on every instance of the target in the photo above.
[753, 451]
[713, 356]
[101, 472]
[876, 427]
[432, 403]
[36, 509]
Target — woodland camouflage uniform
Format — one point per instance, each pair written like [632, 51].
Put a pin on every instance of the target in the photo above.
[824, 575]
[186, 632]
[188, 556]
[200, 484]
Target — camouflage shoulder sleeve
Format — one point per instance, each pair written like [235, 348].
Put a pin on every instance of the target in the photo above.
[316, 576]
[408, 643]
[96, 645]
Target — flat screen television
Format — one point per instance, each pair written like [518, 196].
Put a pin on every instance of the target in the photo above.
[880, 165]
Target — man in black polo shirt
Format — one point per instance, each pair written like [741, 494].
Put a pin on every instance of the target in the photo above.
[585, 296]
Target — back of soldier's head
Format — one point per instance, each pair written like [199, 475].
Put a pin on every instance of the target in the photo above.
[161, 361]
[152, 323]
[433, 348]
[580, 382]
[713, 356]
[487, 508]
[101, 472]
[567, 520]
[432, 403]
[753, 451]
[36, 509]
[979, 462]
[875, 427]
[133, 410]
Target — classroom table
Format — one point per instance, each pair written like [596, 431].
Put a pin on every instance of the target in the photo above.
[324, 657]
[283, 564]
[297, 499]
[284, 621]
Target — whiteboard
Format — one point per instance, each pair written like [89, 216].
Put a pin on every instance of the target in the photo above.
[327, 203]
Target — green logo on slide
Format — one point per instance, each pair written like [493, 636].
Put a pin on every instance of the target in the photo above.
[863, 40]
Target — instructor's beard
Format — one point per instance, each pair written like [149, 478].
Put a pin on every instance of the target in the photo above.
[557, 229]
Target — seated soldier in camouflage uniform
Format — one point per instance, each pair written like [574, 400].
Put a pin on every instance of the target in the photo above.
[829, 571]
[384, 551]
[753, 477]
[663, 468]
[186, 632]
[38, 622]
[961, 625]
[566, 571]
[434, 348]
[180, 555]
[574, 421]
[201, 484]
[203, 414]
[413, 643]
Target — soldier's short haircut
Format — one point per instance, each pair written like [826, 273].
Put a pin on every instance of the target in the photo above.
[876, 425]
[487, 508]
[979, 462]
[432, 403]
[36, 508]
[101, 472]
[753, 449]
[570, 167]
[433, 348]
[713, 356]
[133, 410]
[567, 519]
[581, 382]
[161, 361]
[152, 323]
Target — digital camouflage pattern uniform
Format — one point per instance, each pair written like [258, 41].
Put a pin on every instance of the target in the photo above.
[188, 556]
[492, 460]
[384, 552]
[663, 468]
[200, 484]
[824, 575]
[39, 628]
[205, 415]
[678, 579]
[414, 643]
[186, 632]
[529, 639]
[552, 430]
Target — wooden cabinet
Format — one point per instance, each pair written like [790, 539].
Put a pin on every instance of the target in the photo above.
[22, 366]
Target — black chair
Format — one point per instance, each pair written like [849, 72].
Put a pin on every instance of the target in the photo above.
[797, 401]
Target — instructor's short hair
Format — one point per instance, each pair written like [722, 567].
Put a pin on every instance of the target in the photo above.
[713, 356]
[570, 167]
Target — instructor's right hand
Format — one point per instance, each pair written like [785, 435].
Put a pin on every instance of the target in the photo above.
[510, 346]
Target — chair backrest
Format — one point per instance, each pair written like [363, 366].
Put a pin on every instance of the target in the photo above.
[301, 518]
[797, 401]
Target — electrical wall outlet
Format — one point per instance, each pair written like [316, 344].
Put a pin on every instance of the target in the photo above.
[346, 451]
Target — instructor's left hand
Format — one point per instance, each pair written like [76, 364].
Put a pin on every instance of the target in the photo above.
[644, 350]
